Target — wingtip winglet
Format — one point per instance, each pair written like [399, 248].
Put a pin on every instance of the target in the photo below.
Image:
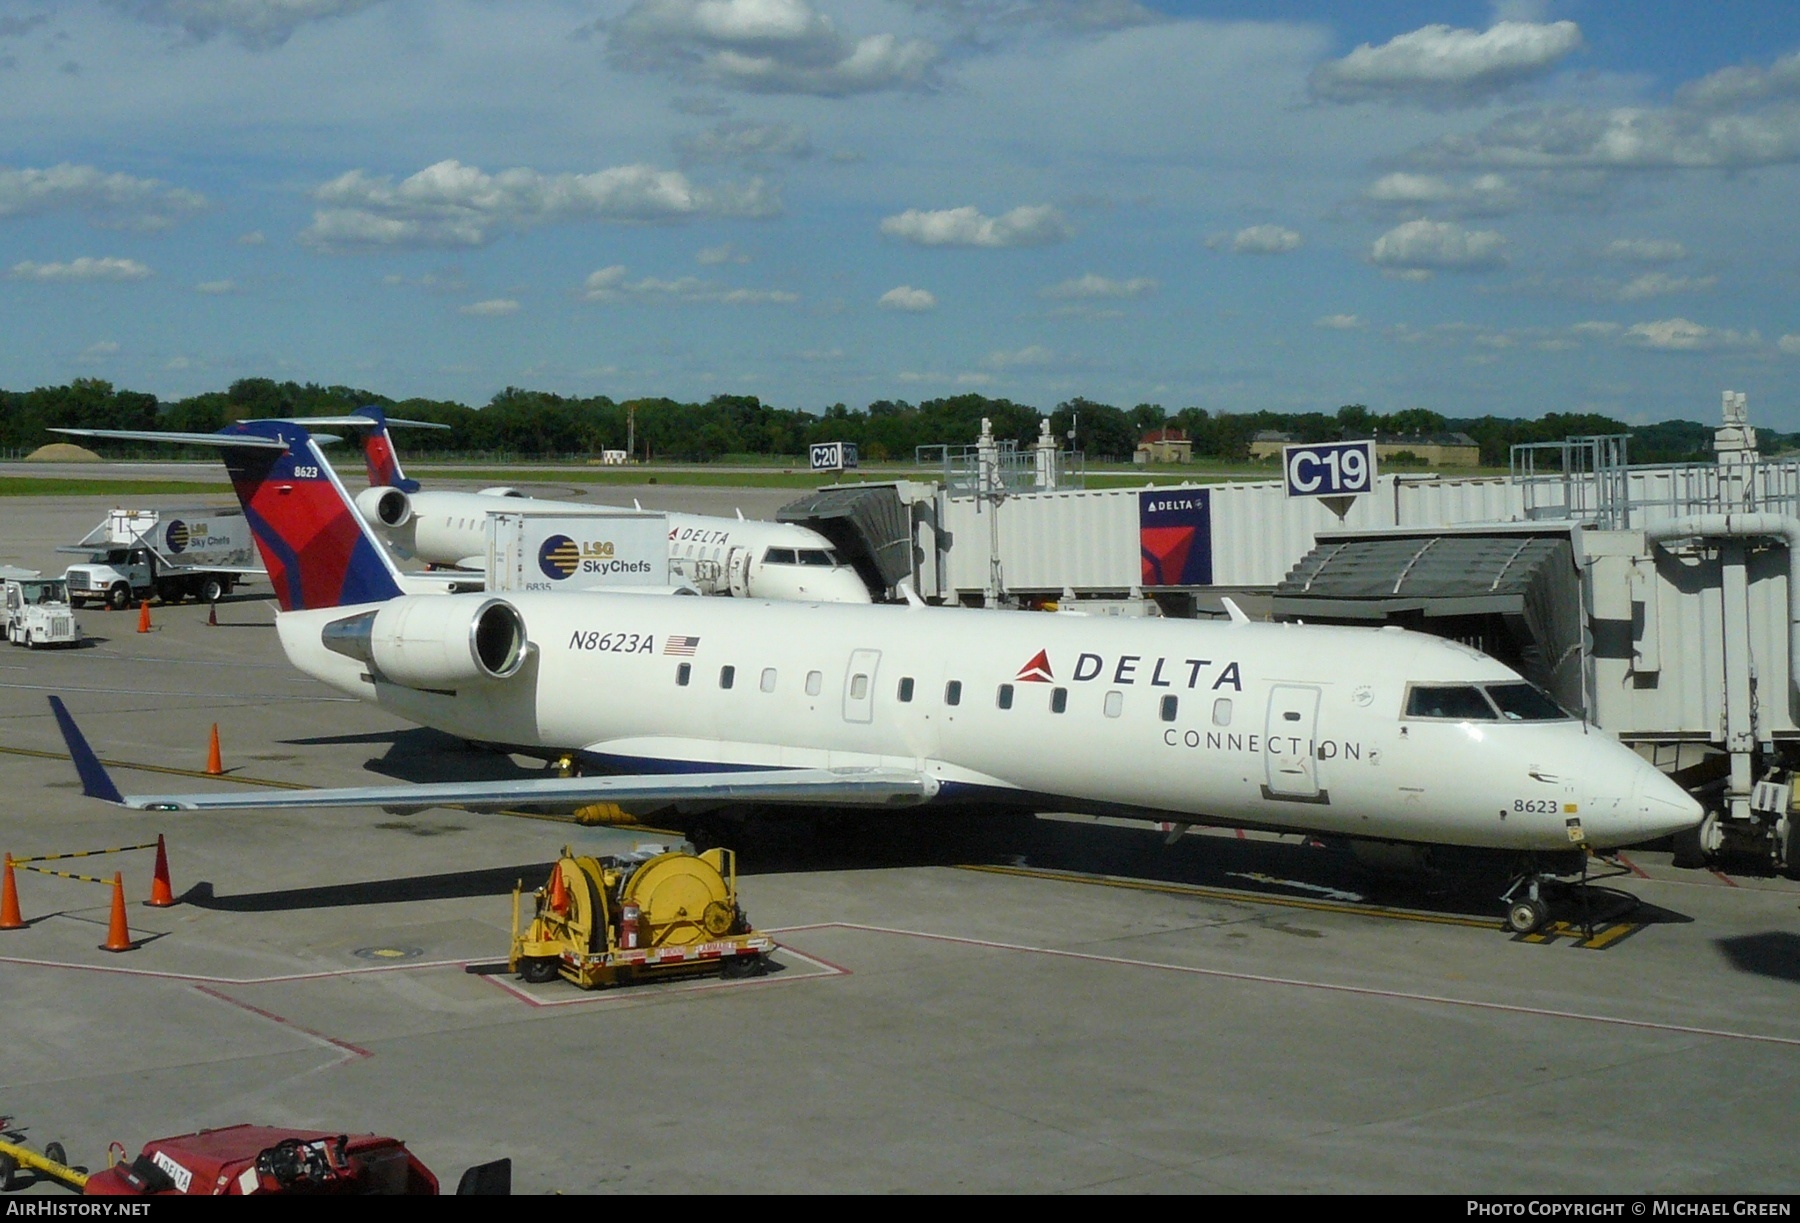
[95, 781]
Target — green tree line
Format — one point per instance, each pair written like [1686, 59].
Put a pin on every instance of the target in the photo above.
[530, 423]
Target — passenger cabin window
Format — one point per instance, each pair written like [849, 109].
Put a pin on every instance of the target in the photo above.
[906, 689]
[817, 556]
[1003, 698]
[1222, 711]
[779, 556]
[953, 692]
[1526, 703]
[683, 673]
[814, 680]
[1462, 702]
[768, 679]
[1115, 704]
[1169, 705]
[727, 675]
[1059, 700]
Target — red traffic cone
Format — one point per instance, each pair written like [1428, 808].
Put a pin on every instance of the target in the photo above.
[162, 893]
[144, 616]
[9, 900]
[559, 894]
[212, 615]
[118, 934]
[215, 767]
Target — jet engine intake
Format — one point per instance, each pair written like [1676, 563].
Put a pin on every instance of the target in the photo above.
[435, 641]
[384, 507]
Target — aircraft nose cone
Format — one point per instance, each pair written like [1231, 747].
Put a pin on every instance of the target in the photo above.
[1661, 806]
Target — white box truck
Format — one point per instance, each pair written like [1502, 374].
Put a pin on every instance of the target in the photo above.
[199, 552]
[34, 611]
[588, 549]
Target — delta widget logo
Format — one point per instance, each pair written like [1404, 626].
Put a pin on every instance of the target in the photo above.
[559, 557]
[178, 536]
[1037, 671]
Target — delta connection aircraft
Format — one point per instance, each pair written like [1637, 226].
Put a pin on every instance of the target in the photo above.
[736, 556]
[1371, 734]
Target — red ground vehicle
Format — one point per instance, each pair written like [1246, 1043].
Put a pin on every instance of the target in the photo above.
[246, 1159]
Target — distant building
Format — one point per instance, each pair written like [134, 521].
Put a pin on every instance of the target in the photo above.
[1164, 446]
[1434, 449]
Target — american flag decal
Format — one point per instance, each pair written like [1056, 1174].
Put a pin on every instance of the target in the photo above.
[681, 647]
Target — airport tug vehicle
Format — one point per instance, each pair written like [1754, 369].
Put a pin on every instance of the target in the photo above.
[642, 916]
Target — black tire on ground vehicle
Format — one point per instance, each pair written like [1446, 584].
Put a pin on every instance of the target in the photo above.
[53, 1151]
[31, 643]
[537, 969]
[1689, 853]
[118, 597]
[8, 1166]
[212, 589]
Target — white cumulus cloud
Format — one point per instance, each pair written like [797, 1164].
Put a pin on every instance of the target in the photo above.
[1661, 284]
[84, 268]
[1031, 354]
[764, 46]
[747, 142]
[1485, 195]
[1091, 286]
[450, 204]
[1684, 335]
[1644, 250]
[909, 299]
[1442, 66]
[1027, 225]
[114, 200]
[1789, 344]
[609, 284]
[1340, 322]
[1257, 240]
[494, 307]
[255, 23]
[1424, 247]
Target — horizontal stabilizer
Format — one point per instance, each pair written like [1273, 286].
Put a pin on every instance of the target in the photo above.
[233, 440]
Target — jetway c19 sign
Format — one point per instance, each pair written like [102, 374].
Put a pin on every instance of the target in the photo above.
[833, 456]
[1329, 469]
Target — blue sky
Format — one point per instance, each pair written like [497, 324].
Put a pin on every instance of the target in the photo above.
[1510, 208]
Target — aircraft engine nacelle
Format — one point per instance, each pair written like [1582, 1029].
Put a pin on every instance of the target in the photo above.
[435, 641]
[384, 507]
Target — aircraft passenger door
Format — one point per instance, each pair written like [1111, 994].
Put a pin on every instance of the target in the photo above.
[739, 566]
[1288, 743]
[859, 685]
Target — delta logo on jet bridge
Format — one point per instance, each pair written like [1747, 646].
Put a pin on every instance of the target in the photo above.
[1164, 672]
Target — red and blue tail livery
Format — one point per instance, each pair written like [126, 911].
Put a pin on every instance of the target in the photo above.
[378, 452]
[317, 549]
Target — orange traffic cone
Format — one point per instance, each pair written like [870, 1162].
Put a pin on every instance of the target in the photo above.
[559, 894]
[118, 934]
[162, 893]
[215, 767]
[212, 615]
[144, 616]
[9, 900]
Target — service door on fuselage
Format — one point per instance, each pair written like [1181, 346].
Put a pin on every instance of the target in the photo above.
[1288, 738]
[859, 685]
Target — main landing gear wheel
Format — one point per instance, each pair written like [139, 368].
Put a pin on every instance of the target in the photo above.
[1525, 916]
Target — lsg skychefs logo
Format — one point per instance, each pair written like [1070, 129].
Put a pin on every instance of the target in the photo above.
[560, 557]
[1630, 1208]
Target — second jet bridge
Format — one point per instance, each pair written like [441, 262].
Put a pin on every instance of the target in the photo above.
[1511, 591]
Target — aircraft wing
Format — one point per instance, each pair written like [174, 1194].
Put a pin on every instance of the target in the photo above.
[856, 786]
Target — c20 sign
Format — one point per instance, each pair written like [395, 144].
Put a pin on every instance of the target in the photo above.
[1329, 469]
[833, 456]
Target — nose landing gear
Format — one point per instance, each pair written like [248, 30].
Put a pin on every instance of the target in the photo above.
[1532, 895]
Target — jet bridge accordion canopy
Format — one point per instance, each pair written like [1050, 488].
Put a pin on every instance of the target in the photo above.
[1515, 595]
[869, 525]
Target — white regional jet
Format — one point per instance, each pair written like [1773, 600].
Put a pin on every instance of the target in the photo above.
[735, 556]
[1376, 734]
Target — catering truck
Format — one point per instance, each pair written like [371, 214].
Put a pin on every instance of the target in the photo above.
[200, 552]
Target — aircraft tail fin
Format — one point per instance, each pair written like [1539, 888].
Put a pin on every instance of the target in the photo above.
[317, 548]
[379, 453]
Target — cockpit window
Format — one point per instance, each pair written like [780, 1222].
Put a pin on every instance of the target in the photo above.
[817, 556]
[779, 556]
[1525, 703]
[1463, 702]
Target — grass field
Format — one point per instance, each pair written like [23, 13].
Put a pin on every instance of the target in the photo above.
[53, 486]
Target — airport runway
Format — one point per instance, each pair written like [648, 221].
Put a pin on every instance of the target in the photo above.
[1038, 1006]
